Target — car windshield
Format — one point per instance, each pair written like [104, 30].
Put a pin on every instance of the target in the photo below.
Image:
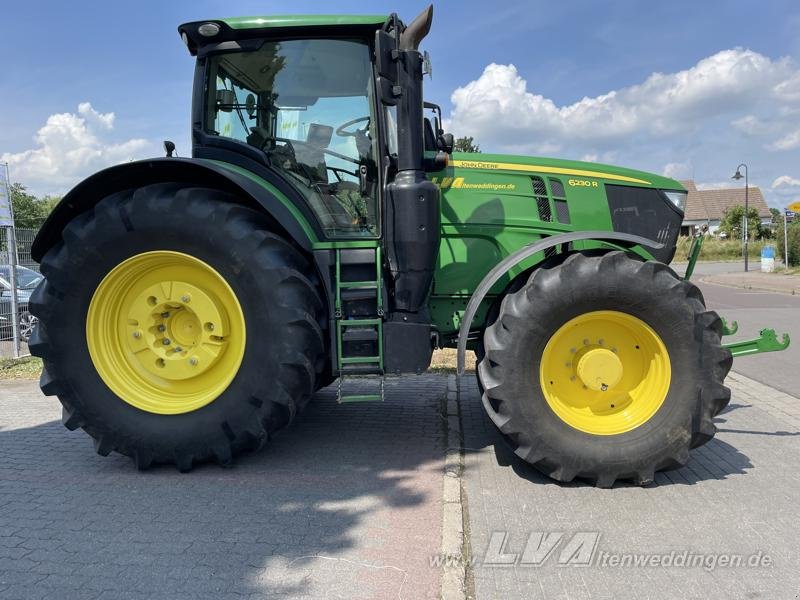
[308, 105]
[27, 279]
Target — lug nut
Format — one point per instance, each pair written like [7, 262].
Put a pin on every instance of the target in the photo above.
[178, 349]
[162, 327]
[165, 315]
[137, 334]
[193, 361]
[186, 298]
[603, 387]
[166, 341]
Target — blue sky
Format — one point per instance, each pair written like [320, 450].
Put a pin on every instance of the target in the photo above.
[92, 83]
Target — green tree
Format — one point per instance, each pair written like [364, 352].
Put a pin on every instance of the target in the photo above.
[731, 222]
[30, 211]
[466, 144]
[793, 237]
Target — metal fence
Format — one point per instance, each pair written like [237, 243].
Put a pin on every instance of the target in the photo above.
[19, 276]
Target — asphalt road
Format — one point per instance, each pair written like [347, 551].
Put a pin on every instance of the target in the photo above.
[754, 310]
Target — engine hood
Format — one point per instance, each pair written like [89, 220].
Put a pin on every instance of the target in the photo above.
[509, 163]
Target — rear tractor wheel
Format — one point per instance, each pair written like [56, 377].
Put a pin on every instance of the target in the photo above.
[177, 328]
[604, 368]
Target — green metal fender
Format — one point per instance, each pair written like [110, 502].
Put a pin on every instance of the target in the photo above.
[517, 257]
[272, 197]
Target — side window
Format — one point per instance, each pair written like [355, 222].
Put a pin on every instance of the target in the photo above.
[391, 129]
[308, 105]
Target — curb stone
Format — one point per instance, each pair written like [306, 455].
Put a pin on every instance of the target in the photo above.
[453, 574]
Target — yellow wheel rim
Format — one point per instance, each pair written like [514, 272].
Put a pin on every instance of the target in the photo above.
[605, 372]
[165, 332]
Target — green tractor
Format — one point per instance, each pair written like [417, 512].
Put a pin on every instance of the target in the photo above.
[323, 228]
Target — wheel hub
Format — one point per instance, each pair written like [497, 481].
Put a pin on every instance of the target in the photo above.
[165, 332]
[599, 369]
[174, 327]
[605, 372]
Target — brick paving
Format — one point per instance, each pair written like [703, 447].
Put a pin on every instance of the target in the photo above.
[345, 504]
[738, 496]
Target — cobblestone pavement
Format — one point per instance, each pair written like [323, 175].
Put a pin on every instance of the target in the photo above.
[737, 496]
[345, 504]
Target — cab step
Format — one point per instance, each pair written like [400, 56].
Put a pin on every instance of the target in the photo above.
[377, 396]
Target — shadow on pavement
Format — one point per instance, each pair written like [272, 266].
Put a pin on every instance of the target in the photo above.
[715, 460]
[343, 490]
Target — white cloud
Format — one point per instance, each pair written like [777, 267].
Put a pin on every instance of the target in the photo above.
[678, 170]
[499, 109]
[790, 141]
[734, 106]
[785, 181]
[786, 185]
[69, 147]
[753, 125]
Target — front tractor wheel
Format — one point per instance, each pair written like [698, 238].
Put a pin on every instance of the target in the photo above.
[177, 328]
[604, 368]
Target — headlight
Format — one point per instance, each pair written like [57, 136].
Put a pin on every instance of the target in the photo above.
[677, 198]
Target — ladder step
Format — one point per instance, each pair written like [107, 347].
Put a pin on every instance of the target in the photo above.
[357, 334]
[358, 284]
[360, 398]
[360, 369]
[360, 360]
[349, 295]
[357, 322]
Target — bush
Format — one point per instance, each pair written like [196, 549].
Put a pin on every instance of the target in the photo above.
[794, 243]
[718, 249]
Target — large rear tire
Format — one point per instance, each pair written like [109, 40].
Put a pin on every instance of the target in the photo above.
[175, 327]
[604, 368]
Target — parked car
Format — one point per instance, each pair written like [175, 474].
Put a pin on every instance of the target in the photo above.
[27, 280]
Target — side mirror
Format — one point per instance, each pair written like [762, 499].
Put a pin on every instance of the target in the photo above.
[250, 106]
[169, 147]
[446, 142]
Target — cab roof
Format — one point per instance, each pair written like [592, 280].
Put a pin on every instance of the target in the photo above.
[302, 21]
[234, 29]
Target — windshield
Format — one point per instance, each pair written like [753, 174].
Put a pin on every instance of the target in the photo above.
[27, 279]
[308, 104]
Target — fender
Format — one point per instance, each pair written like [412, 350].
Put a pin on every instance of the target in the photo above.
[254, 191]
[517, 257]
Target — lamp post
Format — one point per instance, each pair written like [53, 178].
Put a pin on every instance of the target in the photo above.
[737, 176]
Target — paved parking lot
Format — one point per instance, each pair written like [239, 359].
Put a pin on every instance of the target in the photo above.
[738, 496]
[345, 504]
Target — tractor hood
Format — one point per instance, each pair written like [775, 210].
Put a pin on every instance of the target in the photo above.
[508, 163]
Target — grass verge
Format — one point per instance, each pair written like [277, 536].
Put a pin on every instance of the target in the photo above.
[29, 367]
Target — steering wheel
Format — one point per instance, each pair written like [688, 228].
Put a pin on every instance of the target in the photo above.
[343, 132]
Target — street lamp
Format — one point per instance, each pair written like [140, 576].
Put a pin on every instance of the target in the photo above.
[737, 176]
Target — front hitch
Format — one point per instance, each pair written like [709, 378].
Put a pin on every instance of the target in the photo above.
[767, 341]
[729, 329]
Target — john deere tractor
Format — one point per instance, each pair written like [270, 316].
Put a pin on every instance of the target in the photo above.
[323, 229]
